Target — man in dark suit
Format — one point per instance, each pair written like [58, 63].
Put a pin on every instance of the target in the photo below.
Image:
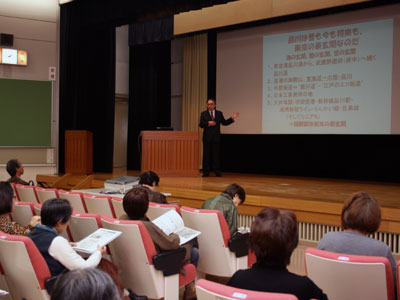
[211, 121]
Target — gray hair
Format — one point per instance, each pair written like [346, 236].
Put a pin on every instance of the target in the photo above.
[85, 284]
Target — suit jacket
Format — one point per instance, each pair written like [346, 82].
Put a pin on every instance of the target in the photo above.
[213, 133]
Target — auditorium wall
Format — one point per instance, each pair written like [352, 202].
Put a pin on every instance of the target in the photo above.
[34, 25]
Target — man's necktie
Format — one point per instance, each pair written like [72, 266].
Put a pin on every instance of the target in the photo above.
[212, 115]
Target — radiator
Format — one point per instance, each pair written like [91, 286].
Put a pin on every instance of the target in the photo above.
[310, 232]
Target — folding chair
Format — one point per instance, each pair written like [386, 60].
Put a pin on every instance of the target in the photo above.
[141, 268]
[209, 290]
[76, 200]
[37, 207]
[217, 257]
[24, 267]
[100, 205]
[81, 225]
[157, 209]
[45, 194]
[4, 285]
[13, 187]
[23, 212]
[398, 279]
[118, 207]
[344, 276]
[26, 193]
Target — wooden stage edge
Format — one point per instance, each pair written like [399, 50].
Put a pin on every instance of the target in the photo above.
[314, 200]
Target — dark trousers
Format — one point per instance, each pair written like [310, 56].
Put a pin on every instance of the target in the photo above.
[211, 156]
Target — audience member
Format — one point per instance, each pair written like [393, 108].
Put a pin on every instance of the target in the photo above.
[233, 196]
[136, 203]
[361, 216]
[149, 182]
[273, 237]
[7, 207]
[85, 284]
[16, 170]
[57, 251]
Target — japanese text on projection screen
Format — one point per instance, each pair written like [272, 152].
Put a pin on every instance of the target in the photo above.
[330, 80]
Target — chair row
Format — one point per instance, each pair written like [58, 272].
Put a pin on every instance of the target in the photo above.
[340, 276]
[372, 275]
[141, 269]
[85, 202]
[35, 194]
[136, 261]
[216, 257]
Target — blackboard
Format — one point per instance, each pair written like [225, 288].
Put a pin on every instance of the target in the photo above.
[25, 113]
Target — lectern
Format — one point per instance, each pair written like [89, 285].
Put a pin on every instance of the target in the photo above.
[174, 153]
[78, 152]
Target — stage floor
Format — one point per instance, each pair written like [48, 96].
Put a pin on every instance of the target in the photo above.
[302, 188]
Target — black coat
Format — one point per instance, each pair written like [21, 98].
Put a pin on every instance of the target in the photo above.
[212, 134]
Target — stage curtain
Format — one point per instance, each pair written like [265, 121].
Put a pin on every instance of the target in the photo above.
[151, 31]
[149, 94]
[87, 84]
[194, 94]
[212, 64]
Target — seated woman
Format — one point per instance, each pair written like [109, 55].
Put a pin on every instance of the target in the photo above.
[7, 207]
[361, 215]
[58, 252]
[136, 203]
[85, 284]
[273, 237]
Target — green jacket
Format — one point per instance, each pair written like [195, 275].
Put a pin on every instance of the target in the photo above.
[224, 204]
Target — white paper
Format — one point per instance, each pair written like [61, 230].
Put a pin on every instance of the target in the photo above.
[100, 237]
[171, 222]
[3, 292]
[244, 228]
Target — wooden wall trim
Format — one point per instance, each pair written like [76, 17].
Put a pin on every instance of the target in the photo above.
[243, 11]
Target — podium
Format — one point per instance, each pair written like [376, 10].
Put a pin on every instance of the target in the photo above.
[78, 152]
[173, 153]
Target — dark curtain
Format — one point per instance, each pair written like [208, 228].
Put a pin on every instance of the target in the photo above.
[149, 94]
[151, 31]
[87, 84]
[212, 65]
[87, 72]
[360, 157]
